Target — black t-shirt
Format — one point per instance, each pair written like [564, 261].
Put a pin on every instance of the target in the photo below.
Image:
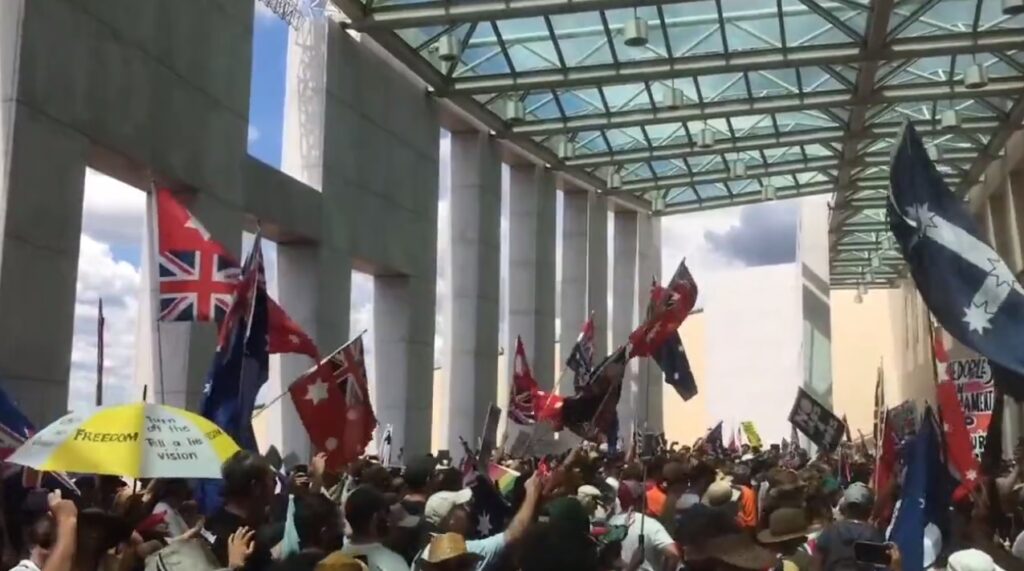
[223, 523]
[836, 544]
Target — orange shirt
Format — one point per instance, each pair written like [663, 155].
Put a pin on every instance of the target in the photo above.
[655, 501]
[747, 515]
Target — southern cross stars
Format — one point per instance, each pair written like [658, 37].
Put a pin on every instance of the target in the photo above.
[317, 391]
[920, 214]
[977, 318]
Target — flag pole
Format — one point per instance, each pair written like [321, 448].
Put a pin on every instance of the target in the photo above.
[152, 226]
[100, 322]
[310, 370]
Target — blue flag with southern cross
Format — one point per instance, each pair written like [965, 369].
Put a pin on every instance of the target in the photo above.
[964, 282]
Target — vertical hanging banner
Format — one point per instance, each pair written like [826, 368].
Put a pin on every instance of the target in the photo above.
[972, 376]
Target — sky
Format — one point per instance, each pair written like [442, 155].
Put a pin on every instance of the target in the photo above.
[113, 221]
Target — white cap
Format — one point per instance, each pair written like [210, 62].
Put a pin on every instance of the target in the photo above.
[441, 503]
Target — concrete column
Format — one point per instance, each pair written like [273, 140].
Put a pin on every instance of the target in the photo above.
[624, 296]
[1017, 190]
[649, 391]
[531, 285]
[471, 316]
[574, 276]
[1004, 225]
[597, 272]
[40, 225]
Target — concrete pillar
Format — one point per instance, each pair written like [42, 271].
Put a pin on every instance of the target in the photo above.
[40, 224]
[531, 275]
[573, 293]
[597, 272]
[1004, 226]
[649, 390]
[471, 316]
[624, 296]
[1016, 179]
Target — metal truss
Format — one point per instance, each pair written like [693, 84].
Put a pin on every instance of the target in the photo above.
[809, 95]
[766, 105]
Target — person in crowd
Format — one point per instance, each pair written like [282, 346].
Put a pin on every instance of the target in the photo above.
[834, 547]
[448, 512]
[366, 511]
[786, 535]
[52, 538]
[249, 484]
[660, 552]
[168, 497]
[409, 529]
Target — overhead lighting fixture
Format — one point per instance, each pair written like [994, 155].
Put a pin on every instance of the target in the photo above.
[658, 204]
[514, 110]
[1013, 7]
[876, 261]
[673, 98]
[448, 48]
[635, 32]
[976, 76]
[768, 192]
[566, 149]
[706, 138]
[738, 169]
[858, 298]
[934, 153]
[950, 119]
[614, 179]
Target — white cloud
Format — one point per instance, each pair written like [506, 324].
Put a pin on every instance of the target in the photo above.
[113, 212]
[263, 14]
[100, 275]
[254, 134]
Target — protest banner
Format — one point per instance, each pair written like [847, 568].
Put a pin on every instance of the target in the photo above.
[816, 421]
[975, 386]
[489, 436]
[753, 438]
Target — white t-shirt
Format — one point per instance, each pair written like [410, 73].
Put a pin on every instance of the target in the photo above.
[376, 556]
[25, 565]
[656, 539]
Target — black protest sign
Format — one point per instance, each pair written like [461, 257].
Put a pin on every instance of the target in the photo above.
[816, 421]
[489, 437]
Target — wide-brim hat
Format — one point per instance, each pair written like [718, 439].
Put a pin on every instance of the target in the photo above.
[447, 547]
[720, 493]
[738, 550]
[785, 524]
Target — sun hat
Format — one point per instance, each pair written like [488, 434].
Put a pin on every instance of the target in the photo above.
[446, 547]
[736, 549]
[785, 524]
[441, 504]
[338, 561]
[720, 493]
[971, 560]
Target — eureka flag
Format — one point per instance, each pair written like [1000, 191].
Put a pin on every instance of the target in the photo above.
[967, 286]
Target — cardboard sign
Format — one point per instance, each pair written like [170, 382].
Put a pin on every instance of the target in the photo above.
[753, 438]
[816, 421]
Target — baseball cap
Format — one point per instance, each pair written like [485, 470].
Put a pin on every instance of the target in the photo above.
[858, 493]
[441, 503]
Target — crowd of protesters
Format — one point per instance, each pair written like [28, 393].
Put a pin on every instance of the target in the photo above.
[678, 508]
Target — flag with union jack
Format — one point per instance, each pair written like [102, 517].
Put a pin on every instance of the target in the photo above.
[668, 308]
[198, 278]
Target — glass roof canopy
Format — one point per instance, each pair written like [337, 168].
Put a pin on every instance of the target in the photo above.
[807, 94]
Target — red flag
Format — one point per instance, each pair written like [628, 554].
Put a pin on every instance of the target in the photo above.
[666, 311]
[959, 449]
[887, 456]
[548, 408]
[521, 406]
[941, 355]
[198, 278]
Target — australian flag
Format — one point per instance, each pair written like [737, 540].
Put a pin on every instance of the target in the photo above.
[581, 358]
[927, 488]
[241, 364]
[671, 357]
[963, 281]
[489, 511]
[15, 427]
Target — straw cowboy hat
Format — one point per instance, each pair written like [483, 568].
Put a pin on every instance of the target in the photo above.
[447, 547]
[720, 493]
[785, 524]
[737, 549]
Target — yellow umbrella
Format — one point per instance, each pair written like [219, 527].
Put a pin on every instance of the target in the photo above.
[137, 440]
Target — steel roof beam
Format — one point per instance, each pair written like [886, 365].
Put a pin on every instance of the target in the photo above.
[783, 192]
[753, 143]
[446, 13]
[759, 106]
[736, 62]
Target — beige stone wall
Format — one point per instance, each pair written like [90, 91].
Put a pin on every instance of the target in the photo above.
[687, 421]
